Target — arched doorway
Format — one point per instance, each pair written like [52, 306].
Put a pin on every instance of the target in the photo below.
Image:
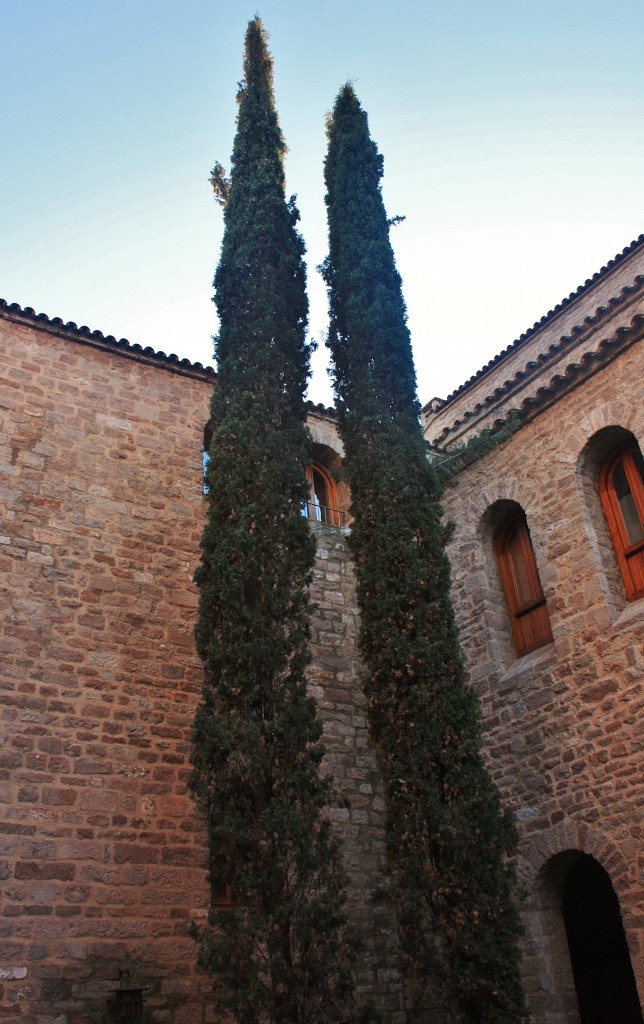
[599, 956]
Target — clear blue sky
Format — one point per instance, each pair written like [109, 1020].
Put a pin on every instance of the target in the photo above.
[512, 134]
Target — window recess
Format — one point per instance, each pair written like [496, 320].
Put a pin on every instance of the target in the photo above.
[621, 489]
[524, 597]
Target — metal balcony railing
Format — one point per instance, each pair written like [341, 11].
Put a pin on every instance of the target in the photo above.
[322, 514]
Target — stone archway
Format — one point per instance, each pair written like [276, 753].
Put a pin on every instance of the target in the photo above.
[599, 956]
[543, 868]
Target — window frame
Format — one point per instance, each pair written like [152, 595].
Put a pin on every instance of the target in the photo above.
[630, 557]
[529, 619]
[330, 515]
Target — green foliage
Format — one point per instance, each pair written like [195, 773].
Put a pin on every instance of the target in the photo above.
[220, 184]
[447, 840]
[281, 952]
[459, 458]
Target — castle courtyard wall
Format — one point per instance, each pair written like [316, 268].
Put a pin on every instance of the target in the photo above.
[102, 854]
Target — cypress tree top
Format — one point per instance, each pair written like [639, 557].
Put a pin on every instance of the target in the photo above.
[368, 338]
[260, 281]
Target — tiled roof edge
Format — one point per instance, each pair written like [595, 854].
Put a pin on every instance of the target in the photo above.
[550, 315]
[606, 345]
[321, 409]
[121, 346]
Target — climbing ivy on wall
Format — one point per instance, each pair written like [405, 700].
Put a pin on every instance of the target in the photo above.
[277, 941]
[448, 842]
[450, 463]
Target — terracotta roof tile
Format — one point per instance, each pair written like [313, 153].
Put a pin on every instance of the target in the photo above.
[84, 334]
[559, 380]
[633, 247]
[122, 345]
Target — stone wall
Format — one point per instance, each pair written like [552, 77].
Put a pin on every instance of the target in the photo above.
[351, 760]
[103, 863]
[102, 859]
[102, 856]
[563, 725]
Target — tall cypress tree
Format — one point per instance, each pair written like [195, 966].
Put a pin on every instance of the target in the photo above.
[447, 840]
[276, 940]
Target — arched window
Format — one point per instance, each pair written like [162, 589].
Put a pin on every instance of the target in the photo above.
[524, 596]
[322, 505]
[621, 488]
